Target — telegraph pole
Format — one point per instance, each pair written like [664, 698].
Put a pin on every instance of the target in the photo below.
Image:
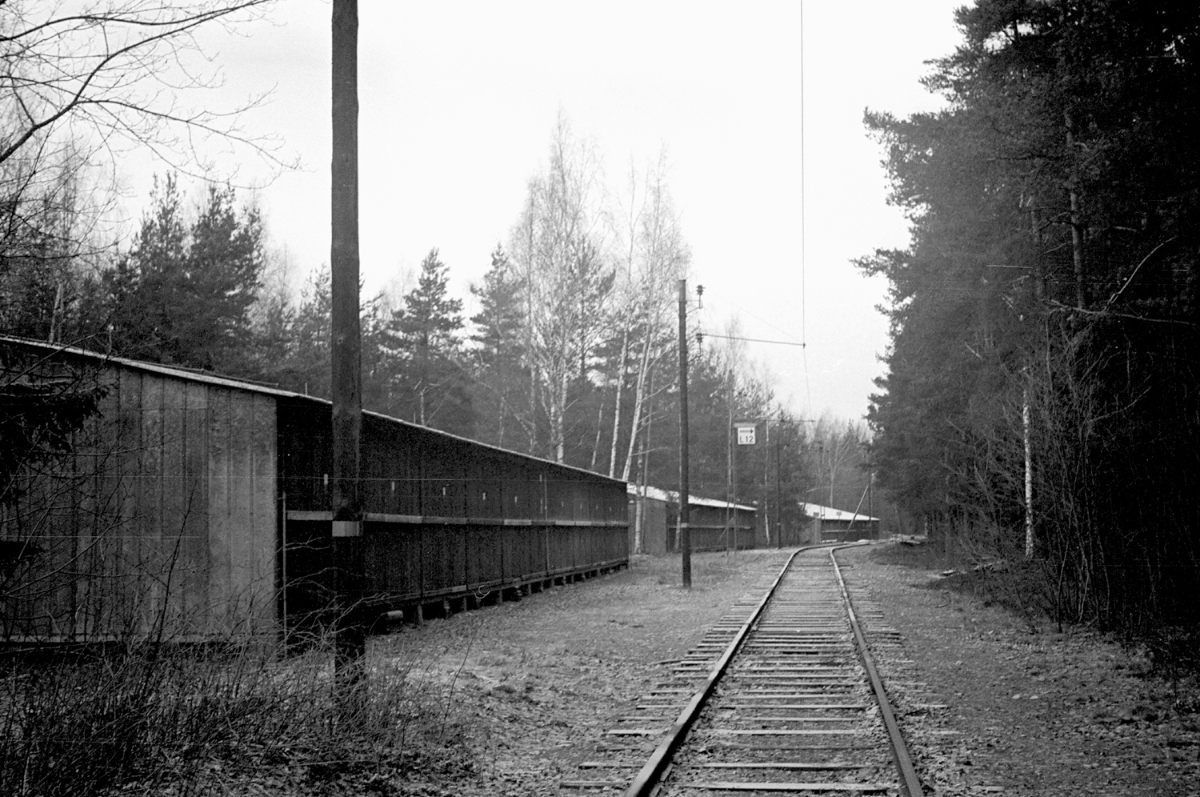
[766, 476]
[346, 352]
[1025, 425]
[778, 493]
[685, 536]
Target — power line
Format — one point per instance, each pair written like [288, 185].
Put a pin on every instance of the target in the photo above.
[803, 235]
[703, 335]
[803, 232]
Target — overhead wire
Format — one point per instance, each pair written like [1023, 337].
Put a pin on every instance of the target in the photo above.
[803, 233]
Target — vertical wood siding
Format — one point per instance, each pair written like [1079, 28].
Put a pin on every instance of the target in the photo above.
[445, 517]
[161, 522]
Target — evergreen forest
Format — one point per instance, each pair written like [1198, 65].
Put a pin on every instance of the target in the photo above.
[1040, 398]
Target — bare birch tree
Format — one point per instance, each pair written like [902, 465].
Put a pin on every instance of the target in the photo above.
[566, 276]
[657, 257]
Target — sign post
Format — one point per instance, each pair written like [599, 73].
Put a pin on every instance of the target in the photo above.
[744, 435]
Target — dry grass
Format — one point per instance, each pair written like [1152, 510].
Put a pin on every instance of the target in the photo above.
[157, 720]
[1031, 591]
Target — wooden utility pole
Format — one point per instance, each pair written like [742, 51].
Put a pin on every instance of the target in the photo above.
[766, 478]
[346, 351]
[870, 487]
[1025, 425]
[730, 460]
[685, 535]
[778, 492]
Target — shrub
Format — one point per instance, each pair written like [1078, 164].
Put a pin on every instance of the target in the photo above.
[140, 720]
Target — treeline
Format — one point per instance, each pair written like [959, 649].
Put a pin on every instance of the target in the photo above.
[1050, 297]
[570, 353]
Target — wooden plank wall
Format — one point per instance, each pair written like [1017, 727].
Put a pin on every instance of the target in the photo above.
[714, 528]
[242, 522]
[162, 523]
[654, 525]
[66, 524]
[445, 516]
[708, 527]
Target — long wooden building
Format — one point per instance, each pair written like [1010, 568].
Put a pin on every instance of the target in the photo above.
[194, 507]
[826, 524]
[714, 525]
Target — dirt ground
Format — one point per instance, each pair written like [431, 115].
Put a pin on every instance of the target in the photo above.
[991, 704]
[1030, 711]
[535, 684]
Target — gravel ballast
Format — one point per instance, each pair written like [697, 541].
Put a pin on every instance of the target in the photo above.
[991, 703]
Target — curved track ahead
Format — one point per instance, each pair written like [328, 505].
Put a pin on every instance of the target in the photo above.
[782, 697]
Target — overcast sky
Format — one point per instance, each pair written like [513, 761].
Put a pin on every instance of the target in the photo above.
[457, 105]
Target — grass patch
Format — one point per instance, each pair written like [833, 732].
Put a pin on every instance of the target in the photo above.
[1010, 582]
[1029, 590]
[920, 557]
[172, 720]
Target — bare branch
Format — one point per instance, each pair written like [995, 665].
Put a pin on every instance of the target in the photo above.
[65, 67]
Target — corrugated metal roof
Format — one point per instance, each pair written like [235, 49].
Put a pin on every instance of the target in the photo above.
[829, 513]
[671, 496]
[209, 378]
[190, 374]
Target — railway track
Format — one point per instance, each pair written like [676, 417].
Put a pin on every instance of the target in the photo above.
[781, 696]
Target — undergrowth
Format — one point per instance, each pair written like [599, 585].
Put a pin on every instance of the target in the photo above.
[1029, 589]
[163, 719]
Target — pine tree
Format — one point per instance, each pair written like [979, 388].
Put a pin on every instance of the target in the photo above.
[308, 368]
[500, 377]
[424, 345]
[376, 370]
[183, 294]
[146, 290]
[224, 263]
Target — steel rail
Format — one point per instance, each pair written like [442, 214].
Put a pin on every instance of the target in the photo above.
[908, 774]
[648, 778]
